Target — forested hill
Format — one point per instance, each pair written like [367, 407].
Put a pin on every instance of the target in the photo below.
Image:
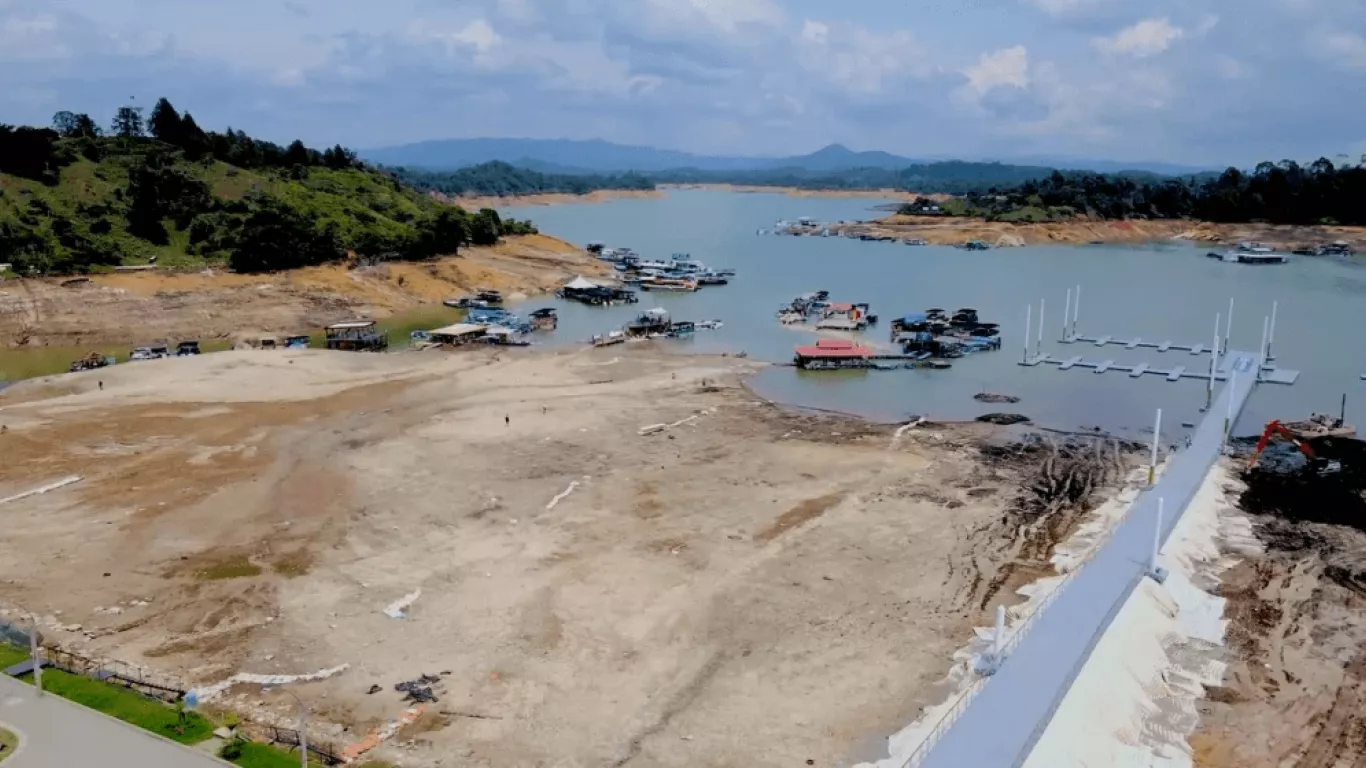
[77, 198]
[1281, 193]
[502, 180]
[954, 177]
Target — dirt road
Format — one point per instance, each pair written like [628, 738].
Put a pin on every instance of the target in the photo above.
[624, 558]
[144, 307]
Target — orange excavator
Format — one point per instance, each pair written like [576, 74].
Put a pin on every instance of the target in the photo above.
[1274, 428]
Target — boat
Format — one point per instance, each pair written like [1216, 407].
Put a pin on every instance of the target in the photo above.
[152, 352]
[709, 324]
[650, 322]
[1322, 425]
[1248, 257]
[711, 278]
[614, 337]
[685, 285]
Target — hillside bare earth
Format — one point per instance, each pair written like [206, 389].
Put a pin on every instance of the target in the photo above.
[143, 307]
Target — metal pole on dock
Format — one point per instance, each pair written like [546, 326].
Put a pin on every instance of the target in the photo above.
[1213, 365]
[1038, 346]
[1157, 435]
[1029, 316]
[1228, 417]
[1228, 332]
[1076, 310]
[1153, 569]
[1271, 334]
[34, 653]
[1261, 351]
[1066, 313]
[999, 641]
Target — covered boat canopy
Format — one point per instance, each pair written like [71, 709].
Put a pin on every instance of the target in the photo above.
[580, 284]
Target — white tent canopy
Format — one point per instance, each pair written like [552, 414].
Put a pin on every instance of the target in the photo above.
[580, 284]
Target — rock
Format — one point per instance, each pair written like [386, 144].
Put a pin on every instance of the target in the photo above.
[1003, 418]
[225, 734]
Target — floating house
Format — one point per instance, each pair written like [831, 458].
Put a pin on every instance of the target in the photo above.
[587, 292]
[545, 319]
[840, 351]
[458, 334]
[356, 336]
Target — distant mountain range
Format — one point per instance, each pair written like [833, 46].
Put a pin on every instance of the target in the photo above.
[575, 157]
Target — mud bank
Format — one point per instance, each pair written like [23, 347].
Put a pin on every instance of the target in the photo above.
[142, 307]
[942, 230]
[1294, 693]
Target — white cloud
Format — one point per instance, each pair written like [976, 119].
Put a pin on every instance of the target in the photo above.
[1347, 49]
[1006, 67]
[33, 38]
[478, 34]
[1146, 38]
[1229, 68]
[815, 32]
[725, 15]
[1060, 7]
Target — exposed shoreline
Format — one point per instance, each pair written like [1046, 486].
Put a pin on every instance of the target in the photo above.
[128, 308]
[945, 230]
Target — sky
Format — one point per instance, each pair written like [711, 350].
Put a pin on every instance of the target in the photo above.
[1203, 82]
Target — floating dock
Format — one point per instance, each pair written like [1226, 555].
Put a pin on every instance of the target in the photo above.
[1269, 374]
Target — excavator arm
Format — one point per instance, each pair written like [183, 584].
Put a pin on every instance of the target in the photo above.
[1274, 428]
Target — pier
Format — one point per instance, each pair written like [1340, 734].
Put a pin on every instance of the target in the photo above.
[1266, 372]
[1002, 716]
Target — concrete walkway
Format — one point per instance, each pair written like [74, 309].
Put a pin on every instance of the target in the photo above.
[55, 733]
[1001, 725]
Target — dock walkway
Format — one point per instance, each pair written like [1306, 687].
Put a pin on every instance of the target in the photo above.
[1000, 725]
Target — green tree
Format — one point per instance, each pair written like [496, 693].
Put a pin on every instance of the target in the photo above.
[192, 138]
[128, 122]
[485, 227]
[276, 236]
[296, 154]
[64, 122]
[85, 127]
[165, 123]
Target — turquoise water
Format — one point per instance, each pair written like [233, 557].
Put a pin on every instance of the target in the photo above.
[1164, 292]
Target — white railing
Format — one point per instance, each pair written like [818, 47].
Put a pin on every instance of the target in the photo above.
[1017, 634]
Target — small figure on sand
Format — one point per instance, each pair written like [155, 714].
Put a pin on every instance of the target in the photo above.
[507, 420]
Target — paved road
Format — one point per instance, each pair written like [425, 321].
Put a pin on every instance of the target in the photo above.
[58, 734]
[1001, 725]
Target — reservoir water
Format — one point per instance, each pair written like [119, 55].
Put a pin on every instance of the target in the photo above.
[1163, 292]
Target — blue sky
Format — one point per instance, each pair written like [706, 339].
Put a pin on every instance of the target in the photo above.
[1198, 81]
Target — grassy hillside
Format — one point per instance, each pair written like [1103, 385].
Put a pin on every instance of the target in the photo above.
[75, 201]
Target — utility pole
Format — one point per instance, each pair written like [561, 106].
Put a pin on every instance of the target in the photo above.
[35, 652]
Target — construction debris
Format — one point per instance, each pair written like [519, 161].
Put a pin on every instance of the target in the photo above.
[68, 480]
[995, 397]
[562, 494]
[212, 691]
[419, 690]
[399, 608]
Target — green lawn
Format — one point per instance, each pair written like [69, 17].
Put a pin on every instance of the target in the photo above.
[11, 654]
[127, 705]
[265, 756]
[8, 743]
